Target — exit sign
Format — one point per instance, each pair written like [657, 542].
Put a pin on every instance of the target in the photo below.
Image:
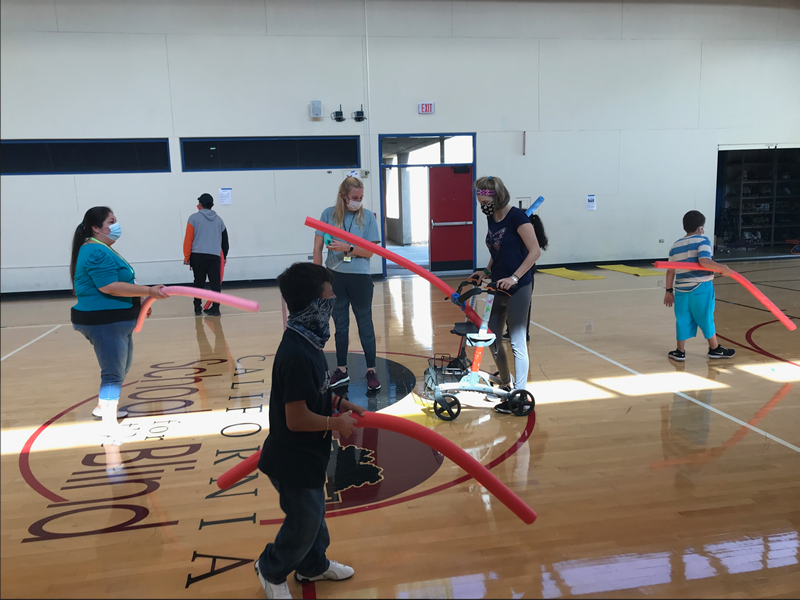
[425, 108]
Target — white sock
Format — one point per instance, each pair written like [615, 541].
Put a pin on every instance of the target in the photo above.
[109, 410]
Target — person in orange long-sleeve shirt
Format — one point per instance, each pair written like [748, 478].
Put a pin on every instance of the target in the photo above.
[205, 245]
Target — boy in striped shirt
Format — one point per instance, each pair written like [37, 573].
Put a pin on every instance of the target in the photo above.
[693, 294]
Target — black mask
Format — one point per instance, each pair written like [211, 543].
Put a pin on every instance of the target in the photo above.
[488, 209]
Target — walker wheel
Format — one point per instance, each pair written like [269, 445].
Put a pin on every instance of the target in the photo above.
[521, 402]
[449, 409]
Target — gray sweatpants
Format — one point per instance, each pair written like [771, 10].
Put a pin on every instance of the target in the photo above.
[512, 310]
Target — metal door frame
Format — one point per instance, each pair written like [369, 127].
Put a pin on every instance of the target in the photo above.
[473, 164]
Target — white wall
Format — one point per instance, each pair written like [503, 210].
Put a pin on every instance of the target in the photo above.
[625, 100]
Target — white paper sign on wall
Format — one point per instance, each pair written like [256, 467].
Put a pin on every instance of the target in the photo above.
[425, 108]
[591, 202]
[225, 195]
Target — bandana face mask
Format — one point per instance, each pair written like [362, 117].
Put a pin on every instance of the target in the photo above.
[313, 322]
[487, 209]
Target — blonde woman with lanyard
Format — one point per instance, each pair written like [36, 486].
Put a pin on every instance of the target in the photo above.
[514, 249]
[108, 305]
[352, 280]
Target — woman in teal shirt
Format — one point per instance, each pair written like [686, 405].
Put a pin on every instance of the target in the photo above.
[108, 305]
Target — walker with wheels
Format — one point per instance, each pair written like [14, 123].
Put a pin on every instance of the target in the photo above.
[446, 377]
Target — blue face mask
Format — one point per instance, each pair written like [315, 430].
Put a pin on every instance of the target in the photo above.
[114, 231]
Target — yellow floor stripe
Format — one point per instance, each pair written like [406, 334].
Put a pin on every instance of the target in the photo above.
[632, 270]
[569, 274]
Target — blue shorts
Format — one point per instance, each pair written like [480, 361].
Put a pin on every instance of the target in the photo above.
[695, 309]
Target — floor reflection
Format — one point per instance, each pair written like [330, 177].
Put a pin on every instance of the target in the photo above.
[397, 381]
[685, 429]
[628, 571]
[685, 426]
[625, 571]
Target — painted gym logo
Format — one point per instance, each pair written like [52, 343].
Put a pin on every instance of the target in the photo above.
[350, 467]
[373, 465]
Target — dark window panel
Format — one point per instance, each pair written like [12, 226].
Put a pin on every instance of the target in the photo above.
[270, 153]
[31, 157]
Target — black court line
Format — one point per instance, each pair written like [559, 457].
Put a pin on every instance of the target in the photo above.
[754, 307]
[755, 282]
[770, 269]
[777, 287]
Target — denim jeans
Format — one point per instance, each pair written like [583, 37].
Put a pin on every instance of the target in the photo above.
[113, 346]
[353, 289]
[303, 538]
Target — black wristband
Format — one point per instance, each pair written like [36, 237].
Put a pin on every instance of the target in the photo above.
[669, 290]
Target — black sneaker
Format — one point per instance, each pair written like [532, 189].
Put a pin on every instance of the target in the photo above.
[198, 310]
[720, 352]
[677, 355]
[502, 408]
[212, 312]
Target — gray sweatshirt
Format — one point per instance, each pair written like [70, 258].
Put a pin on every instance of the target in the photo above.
[205, 234]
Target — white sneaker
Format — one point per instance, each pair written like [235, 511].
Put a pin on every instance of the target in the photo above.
[336, 572]
[98, 414]
[272, 590]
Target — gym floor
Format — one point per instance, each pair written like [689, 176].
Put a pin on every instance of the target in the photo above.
[649, 477]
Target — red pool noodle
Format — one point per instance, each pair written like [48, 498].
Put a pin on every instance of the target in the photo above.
[240, 471]
[427, 437]
[192, 292]
[395, 258]
[788, 323]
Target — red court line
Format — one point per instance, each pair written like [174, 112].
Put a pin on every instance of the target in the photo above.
[358, 509]
[712, 453]
[749, 337]
[24, 460]
[754, 348]
[309, 590]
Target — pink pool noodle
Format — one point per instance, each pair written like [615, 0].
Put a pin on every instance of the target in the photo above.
[427, 437]
[192, 292]
[788, 323]
[395, 258]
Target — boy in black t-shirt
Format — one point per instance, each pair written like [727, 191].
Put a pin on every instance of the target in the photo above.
[296, 451]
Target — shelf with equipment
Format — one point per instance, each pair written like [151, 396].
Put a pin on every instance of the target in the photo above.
[759, 198]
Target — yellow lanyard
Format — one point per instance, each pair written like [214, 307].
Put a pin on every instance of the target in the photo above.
[115, 252]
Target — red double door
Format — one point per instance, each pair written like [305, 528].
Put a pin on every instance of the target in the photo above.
[451, 218]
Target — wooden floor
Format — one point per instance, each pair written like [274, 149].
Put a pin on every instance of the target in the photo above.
[649, 478]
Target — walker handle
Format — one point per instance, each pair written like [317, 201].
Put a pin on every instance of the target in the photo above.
[467, 295]
[492, 288]
[456, 297]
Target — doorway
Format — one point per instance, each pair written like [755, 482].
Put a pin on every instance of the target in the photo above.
[428, 201]
[758, 204]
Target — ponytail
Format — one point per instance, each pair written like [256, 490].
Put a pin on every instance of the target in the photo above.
[94, 217]
[538, 229]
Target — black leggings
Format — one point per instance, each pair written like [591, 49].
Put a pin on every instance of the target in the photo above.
[354, 289]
